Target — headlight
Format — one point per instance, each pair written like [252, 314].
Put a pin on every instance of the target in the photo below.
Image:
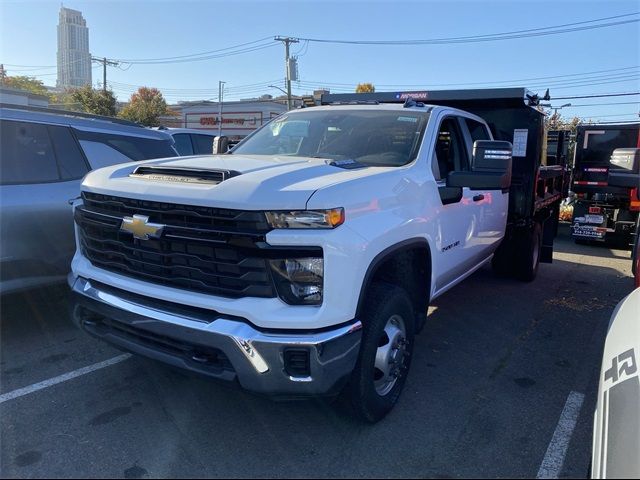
[307, 218]
[299, 280]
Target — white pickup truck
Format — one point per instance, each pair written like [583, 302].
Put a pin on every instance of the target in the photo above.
[303, 261]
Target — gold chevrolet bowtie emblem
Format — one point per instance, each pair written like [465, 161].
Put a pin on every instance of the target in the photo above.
[140, 227]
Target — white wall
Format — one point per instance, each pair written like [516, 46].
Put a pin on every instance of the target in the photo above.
[238, 118]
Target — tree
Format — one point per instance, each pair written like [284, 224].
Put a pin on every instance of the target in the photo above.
[64, 101]
[146, 106]
[98, 102]
[28, 84]
[365, 88]
[556, 122]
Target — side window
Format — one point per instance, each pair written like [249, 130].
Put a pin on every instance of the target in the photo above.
[26, 154]
[102, 155]
[203, 144]
[70, 160]
[131, 147]
[450, 153]
[183, 144]
[477, 130]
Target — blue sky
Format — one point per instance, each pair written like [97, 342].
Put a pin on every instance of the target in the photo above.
[150, 29]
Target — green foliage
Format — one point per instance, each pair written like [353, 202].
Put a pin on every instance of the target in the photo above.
[98, 102]
[28, 84]
[146, 106]
[365, 88]
[556, 122]
[63, 101]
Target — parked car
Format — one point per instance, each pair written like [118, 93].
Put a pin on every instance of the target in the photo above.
[192, 142]
[616, 432]
[309, 265]
[44, 154]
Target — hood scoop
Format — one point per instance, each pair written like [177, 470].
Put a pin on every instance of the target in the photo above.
[183, 175]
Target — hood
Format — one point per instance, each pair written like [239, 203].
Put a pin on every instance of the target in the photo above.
[259, 182]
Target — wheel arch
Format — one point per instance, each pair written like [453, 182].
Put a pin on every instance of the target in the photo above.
[387, 265]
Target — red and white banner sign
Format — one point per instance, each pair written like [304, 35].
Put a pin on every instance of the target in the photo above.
[230, 120]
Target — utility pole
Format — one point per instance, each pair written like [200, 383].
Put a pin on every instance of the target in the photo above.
[287, 41]
[104, 63]
[220, 92]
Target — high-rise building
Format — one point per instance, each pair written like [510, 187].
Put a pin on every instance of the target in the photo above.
[74, 59]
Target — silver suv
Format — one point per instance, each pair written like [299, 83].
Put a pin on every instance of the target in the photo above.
[44, 154]
[190, 141]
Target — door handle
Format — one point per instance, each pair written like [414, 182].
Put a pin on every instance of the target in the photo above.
[477, 198]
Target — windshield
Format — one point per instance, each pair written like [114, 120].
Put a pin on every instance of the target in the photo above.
[370, 137]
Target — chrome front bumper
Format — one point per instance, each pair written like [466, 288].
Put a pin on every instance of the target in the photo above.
[209, 343]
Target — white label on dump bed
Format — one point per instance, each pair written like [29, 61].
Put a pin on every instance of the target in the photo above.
[520, 142]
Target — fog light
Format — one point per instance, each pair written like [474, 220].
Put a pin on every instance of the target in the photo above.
[299, 281]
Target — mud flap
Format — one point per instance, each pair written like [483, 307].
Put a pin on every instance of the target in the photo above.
[549, 229]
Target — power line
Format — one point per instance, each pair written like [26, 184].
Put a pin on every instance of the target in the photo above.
[596, 96]
[584, 84]
[209, 52]
[203, 90]
[202, 58]
[603, 104]
[36, 68]
[581, 74]
[615, 115]
[619, 122]
[583, 77]
[542, 31]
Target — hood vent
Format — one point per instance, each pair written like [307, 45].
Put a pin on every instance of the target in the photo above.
[183, 175]
[347, 164]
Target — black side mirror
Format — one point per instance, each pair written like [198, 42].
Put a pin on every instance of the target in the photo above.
[624, 168]
[220, 144]
[490, 167]
[491, 156]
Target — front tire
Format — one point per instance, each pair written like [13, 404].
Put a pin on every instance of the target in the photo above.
[385, 352]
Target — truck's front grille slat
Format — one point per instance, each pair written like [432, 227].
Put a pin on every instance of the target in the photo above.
[217, 254]
[179, 215]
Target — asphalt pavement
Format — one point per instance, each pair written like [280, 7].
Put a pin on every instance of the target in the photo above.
[490, 379]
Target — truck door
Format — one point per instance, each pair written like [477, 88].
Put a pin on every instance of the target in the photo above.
[491, 206]
[456, 239]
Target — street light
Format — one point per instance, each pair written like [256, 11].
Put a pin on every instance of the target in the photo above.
[273, 86]
[555, 109]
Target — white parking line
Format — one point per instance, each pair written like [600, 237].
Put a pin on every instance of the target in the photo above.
[62, 378]
[557, 450]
